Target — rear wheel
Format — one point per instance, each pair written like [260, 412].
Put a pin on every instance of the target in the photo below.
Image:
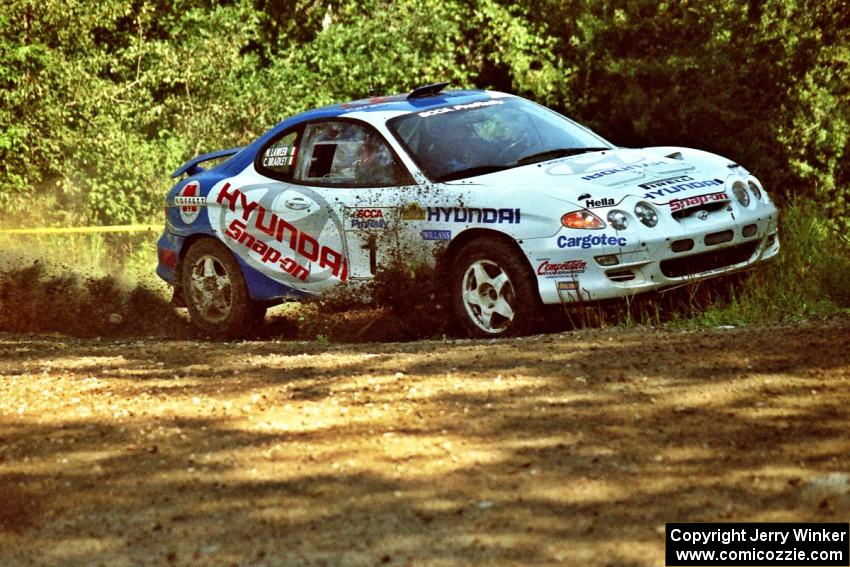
[215, 291]
[493, 292]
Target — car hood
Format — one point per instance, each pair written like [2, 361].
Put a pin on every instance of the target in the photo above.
[607, 177]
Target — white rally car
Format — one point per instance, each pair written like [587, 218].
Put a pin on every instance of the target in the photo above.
[525, 207]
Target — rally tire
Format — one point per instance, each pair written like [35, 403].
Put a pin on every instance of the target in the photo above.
[493, 292]
[215, 292]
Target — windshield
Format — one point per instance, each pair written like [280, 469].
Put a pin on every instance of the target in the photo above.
[458, 141]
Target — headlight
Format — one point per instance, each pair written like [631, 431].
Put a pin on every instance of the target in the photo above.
[618, 220]
[740, 192]
[646, 214]
[582, 219]
[755, 189]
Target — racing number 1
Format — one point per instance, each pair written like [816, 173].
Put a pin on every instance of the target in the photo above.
[372, 246]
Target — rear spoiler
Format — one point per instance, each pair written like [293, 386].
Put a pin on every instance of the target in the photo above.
[191, 167]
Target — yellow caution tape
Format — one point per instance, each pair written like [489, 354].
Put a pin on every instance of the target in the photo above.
[84, 229]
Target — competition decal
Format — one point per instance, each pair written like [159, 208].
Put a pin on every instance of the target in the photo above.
[691, 202]
[590, 241]
[474, 215]
[553, 270]
[278, 245]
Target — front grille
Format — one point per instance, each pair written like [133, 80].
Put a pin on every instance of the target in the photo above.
[707, 261]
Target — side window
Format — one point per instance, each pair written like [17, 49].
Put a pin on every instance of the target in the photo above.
[279, 157]
[347, 154]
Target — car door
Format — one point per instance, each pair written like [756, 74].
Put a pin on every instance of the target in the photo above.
[349, 164]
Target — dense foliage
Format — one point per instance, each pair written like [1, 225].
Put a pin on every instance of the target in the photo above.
[100, 100]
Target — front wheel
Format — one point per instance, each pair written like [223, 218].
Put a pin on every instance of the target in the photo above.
[493, 292]
[215, 291]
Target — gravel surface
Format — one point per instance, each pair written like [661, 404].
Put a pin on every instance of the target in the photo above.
[570, 449]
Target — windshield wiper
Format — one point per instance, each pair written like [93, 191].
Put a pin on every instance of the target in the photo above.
[556, 153]
[472, 172]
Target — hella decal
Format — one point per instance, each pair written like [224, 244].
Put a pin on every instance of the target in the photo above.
[590, 241]
[594, 203]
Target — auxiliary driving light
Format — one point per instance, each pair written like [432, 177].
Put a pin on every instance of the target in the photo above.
[607, 260]
[618, 220]
[646, 213]
[740, 192]
[755, 189]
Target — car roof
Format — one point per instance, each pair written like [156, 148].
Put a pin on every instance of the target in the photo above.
[397, 103]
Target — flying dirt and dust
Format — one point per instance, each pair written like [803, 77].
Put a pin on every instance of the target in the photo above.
[45, 296]
[40, 297]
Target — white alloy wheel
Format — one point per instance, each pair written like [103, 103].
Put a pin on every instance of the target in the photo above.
[211, 289]
[488, 296]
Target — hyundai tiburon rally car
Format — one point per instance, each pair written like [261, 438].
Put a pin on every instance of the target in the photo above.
[525, 208]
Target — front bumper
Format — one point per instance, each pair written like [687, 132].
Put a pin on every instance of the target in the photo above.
[572, 268]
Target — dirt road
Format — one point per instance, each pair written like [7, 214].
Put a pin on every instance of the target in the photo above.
[567, 449]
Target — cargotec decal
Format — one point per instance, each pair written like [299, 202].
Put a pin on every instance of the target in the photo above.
[590, 241]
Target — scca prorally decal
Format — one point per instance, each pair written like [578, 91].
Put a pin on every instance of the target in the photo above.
[282, 231]
[471, 215]
[557, 269]
[568, 286]
[595, 203]
[190, 210]
[456, 107]
[604, 172]
[268, 254]
[367, 218]
[691, 202]
[667, 181]
[590, 241]
[683, 187]
[436, 235]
